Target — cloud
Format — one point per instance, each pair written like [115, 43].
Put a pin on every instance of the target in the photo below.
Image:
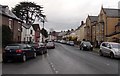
[67, 14]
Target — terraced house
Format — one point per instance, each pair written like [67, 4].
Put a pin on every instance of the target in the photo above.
[108, 28]
[90, 28]
[7, 18]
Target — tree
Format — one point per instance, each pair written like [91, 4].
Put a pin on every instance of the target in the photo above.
[6, 35]
[28, 12]
[44, 33]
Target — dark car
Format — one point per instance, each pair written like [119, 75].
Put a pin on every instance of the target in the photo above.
[40, 48]
[20, 52]
[50, 45]
[85, 45]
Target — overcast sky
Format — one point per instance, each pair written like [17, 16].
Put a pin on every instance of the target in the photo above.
[67, 14]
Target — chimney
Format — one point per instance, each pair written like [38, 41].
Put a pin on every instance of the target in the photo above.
[82, 22]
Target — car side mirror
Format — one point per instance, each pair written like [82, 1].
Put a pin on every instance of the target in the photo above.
[109, 47]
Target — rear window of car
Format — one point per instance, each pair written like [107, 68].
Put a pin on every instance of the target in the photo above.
[12, 47]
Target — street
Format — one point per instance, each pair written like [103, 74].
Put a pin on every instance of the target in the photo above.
[64, 59]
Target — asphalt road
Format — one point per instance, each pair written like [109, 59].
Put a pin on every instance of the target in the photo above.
[64, 59]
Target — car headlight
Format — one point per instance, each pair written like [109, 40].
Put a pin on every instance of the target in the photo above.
[91, 45]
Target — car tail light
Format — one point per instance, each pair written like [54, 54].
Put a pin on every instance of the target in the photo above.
[18, 51]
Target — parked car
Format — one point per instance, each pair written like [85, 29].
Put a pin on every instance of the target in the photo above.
[50, 45]
[39, 47]
[71, 43]
[111, 49]
[85, 45]
[19, 52]
[42, 48]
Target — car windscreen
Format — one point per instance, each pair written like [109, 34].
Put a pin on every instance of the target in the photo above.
[116, 46]
[12, 47]
[87, 43]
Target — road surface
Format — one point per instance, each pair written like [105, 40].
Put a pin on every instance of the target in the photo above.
[64, 59]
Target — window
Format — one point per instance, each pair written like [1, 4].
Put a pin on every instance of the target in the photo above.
[104, 44]
[31, 31]
[10, 23]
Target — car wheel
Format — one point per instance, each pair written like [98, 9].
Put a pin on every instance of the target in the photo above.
[100, 53]
[82, 49]
[35, 55]
[91, 49]
[41, 53]
[111, 55]
[24, 58]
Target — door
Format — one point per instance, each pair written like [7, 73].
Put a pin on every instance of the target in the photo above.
[104, 48]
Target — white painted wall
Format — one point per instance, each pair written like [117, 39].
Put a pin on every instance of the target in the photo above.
[26, 34]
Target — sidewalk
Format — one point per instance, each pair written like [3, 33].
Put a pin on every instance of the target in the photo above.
[96, 50]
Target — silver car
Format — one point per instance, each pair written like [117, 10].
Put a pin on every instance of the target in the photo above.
[111, 49]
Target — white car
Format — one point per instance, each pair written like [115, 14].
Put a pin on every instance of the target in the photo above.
[111, 49]
[50, 45]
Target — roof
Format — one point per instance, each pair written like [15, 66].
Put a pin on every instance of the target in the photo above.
[111, 42]
[112, 12]
[93, 18]
[26, 26]
[36, 26]
[62, 33]
[4, 10]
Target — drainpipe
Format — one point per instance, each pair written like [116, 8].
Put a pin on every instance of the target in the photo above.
[105, 38]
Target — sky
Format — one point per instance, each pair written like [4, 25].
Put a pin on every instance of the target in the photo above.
[67, 14]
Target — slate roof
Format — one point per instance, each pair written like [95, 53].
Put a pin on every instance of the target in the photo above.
[93, 18]
[4, 10]
[26, 26]
[112, 12]
[62, 33]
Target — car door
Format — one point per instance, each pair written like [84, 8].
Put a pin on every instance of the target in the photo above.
[104, 47]
[108, 49]
[29, 51]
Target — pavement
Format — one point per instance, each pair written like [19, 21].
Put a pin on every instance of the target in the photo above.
[95, 50]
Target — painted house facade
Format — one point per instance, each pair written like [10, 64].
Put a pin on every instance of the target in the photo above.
[28, 33]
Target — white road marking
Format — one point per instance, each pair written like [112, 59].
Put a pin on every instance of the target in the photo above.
[56, 72]
[54, 69]
[108, 64]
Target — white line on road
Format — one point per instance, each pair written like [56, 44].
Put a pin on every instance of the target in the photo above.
[56, 72]
[108, 64]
